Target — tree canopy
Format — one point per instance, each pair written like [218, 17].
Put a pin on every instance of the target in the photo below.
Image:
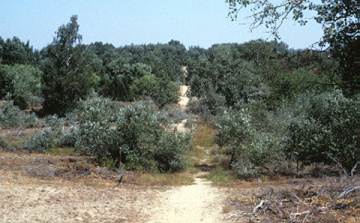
[340, 22]
[69, 70]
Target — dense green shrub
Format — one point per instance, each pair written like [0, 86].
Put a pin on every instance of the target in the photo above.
[173, 114]
[21, 102]
[328, 131]
[48, 137]
[250, 150]
[10, 115]
[41, 141]
[22, 81]
[68, 138]
[134, 136]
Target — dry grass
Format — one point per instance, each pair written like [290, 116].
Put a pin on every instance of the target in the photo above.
[220, 177]
[162, 179]
[66, 151]
[204, 135]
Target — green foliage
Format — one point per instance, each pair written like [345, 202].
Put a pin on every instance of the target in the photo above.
[96, 131]
[137, 81]
[288, 85]
[233, 130]
[249, 149]
[13, 51]
[134, 136]
[21, 102]
[171, 151]
[173, 114]
[161, 90]
[70, 71]
[330, 128]
[10, 115]
[21, 81]
[339, 20]
[51, 136]
[41, 141]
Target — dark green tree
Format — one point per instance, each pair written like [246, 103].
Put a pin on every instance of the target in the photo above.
[70, 71]
[14, 51]
[340, 21]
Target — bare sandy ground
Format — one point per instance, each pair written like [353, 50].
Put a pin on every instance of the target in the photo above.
[25, 198]
[183, 99]
[195, 203]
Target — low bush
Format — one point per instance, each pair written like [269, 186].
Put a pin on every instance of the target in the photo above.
[250, 150]
[21, 102]
[174, 114]
[328, 132]
[10, 115]
[51, 136]
[135, 137]
[41, 141]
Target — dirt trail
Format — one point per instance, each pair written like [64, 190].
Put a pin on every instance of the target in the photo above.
[190, 204]
[183, 102]
[195, 203]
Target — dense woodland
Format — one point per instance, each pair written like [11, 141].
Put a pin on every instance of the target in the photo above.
[273, 108]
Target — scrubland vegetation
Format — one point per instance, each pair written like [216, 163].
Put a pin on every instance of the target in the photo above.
[260, 111]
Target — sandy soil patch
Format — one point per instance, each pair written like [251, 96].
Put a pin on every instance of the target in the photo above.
[195, 203]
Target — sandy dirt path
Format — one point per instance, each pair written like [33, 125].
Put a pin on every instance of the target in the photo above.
[184, 100]
[195, 203]
[199, 202]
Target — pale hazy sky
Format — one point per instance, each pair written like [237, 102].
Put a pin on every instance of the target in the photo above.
[123, 22]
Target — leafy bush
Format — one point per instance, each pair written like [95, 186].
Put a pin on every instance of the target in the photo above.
[30, 120]
[159, 89]
[171, 151]
[249, 149]
[41, 141]
[289, 85]
[69, 137]
[21, 102]
[260, 150]
[10, 115]
[51, 136]
[328, 131]
[174, 114]
[23, 81]
[135, 137]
